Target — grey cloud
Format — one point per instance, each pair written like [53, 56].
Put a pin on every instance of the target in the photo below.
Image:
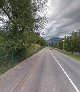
[64, 15]
[63, 5]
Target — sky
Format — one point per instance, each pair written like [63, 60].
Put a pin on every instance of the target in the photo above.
[63, 18]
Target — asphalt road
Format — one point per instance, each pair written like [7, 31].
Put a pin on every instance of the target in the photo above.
[46, 71]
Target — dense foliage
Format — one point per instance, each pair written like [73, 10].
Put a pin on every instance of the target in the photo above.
[17, 32]
[70, 43]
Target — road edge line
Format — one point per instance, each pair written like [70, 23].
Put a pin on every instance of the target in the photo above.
[77, 90]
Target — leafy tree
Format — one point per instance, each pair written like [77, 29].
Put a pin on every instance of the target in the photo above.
[18, 33]
[71, 43]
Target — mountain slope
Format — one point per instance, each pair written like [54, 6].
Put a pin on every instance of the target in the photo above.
[53, 40]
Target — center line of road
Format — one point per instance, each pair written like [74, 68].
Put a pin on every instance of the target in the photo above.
[65, 73]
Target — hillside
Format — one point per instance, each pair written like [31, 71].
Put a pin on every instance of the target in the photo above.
[53, 40]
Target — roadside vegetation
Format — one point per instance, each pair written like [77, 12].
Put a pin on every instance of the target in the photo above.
[73, 55]
[70, 45]
[18, 39]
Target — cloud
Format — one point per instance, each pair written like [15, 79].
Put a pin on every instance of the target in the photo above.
[62, 16]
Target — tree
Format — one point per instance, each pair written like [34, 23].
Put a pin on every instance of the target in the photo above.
[71, 43]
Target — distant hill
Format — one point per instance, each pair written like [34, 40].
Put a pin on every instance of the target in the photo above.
[53, 40]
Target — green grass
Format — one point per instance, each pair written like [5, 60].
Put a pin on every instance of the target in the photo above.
[5, 68]
[77, 57]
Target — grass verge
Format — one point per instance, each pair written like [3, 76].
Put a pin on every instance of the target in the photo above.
[73, 55]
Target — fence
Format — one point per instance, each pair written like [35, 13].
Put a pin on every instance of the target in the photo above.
[9, 56]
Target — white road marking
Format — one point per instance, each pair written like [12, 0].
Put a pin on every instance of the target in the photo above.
[77, 90]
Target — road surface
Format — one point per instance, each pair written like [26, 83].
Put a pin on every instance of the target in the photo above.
[46, 71]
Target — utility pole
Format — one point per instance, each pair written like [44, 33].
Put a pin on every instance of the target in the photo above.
[63, 44]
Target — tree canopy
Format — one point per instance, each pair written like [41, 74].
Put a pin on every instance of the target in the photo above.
[18, 31]
[71, 43]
